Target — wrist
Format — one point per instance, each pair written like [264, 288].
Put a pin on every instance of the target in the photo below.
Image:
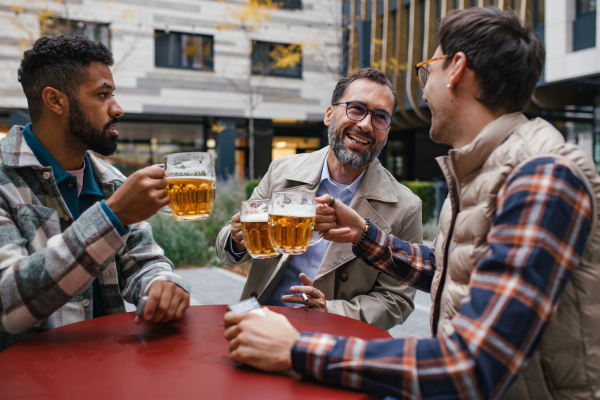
[362, 233]
[115, 209]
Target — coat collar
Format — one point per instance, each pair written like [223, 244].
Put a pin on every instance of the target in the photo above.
[472, 156]
[375, 183]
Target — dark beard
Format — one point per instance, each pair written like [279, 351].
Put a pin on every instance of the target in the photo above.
[87, 134]
[347, 157]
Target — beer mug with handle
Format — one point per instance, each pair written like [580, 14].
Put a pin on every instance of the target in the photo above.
[254, 215]
[191, 185]
[291, 222]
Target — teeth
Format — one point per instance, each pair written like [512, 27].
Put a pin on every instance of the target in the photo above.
[356, 139]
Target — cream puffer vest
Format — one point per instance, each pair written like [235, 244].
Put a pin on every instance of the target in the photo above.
[567, 363]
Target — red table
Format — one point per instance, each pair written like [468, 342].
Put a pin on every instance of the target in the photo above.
[112, 358]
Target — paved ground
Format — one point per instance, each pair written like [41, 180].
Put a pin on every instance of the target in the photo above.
[218, 286]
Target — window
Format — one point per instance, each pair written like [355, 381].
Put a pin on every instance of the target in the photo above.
[584, 26]
[95, 31]
[276, 59]
[183, 50]
[289, 4]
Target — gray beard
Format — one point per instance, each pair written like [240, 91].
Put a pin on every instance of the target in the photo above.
[346, 157]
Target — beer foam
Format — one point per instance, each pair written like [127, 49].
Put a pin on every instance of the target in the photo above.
[298, 211]
[206, 178]
[264, 217]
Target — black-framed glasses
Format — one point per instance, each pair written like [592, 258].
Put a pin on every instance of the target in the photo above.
[357, 112]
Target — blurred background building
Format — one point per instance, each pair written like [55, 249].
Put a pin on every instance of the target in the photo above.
[201, 74]
[394, 35]
[195, 75]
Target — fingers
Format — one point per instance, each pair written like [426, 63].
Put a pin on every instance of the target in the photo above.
[236, 219]
[233, 318]
[306, 281]
[325, 199]
[166, 302]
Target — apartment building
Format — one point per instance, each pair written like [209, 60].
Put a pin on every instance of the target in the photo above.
[394, 35]
[196, 75]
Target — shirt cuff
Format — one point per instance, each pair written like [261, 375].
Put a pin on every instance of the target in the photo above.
[311, 353]
[238, 256]
[371, 243]
[113, 219]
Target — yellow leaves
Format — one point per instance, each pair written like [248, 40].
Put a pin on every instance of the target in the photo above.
[128, 14]
[284, 56]
[249, 15]
[217, 127]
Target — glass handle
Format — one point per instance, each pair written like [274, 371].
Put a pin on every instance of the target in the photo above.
[316, 239]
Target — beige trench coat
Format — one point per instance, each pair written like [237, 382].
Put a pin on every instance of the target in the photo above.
[351, 287]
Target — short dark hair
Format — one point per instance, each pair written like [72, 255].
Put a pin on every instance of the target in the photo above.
[59, 62]
[370, 73]
[507, 57]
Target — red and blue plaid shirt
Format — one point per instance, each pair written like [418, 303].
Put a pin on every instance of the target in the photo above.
[537, 238]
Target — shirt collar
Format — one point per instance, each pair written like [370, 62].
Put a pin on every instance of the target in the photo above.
[353, 187]
[90, 186]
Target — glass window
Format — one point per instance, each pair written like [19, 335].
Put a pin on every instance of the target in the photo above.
[95, 31]
[276, 59]
[183, 50]
[585, 6]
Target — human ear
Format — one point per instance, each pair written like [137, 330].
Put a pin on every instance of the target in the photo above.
[55, 101]
[328, 113]
[458, 67]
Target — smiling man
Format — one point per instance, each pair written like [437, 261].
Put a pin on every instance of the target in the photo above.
[73, 241]
[335, 281]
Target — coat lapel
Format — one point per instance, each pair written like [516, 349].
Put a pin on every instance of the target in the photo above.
[376, 186]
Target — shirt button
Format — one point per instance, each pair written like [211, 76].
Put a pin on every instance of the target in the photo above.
[71, 185]
[314, 264]
[344, 276]
[66, 217]
[86, 303]
[46, 175]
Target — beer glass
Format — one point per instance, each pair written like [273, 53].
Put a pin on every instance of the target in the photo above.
[191, 185]
[291, 222]
[254, 215]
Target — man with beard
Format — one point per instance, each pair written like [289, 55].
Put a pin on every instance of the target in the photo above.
[73, 241]
[333, 279]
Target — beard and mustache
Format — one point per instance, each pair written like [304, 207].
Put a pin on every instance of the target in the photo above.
[348, 158]
[82, 130]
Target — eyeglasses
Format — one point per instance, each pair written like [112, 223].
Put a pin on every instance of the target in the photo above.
[357, 112]
[423, 70]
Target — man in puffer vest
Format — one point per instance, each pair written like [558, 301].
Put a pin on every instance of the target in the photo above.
[514, 274]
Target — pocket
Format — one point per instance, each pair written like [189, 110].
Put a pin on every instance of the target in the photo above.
[37, 224]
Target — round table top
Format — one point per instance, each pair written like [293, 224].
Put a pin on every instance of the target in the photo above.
[112, 358]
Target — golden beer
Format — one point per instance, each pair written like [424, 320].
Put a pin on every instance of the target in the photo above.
[291, 234]
[191, 198]
[256, 235]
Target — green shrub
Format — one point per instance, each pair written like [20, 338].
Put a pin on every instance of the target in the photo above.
[426, 192]
[193, 242]
[429, 231]
[249, 187]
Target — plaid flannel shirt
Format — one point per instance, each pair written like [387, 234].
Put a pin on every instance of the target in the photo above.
[48, 260]
[539, 233]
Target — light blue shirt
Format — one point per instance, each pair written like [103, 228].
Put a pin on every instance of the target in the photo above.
[309, 261]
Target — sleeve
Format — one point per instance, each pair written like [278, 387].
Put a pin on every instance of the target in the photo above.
[33, 286]
[405, 261]
[542, 223]
[224, 251]
[388, 303]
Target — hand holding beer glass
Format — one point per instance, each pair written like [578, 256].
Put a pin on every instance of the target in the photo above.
[292, 221]
[254, 215]
[190, 185]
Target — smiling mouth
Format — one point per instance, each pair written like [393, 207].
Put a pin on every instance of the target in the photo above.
[357, 139]
[112, 127]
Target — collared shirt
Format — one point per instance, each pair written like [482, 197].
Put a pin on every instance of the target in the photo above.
[310, 261]
[76, 201]
[490, 344]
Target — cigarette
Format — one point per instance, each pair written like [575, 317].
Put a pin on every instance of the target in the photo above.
[305, 297]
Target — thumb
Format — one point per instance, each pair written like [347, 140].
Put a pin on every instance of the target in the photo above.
[325, 199]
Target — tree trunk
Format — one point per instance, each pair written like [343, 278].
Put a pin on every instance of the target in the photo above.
[251, 145]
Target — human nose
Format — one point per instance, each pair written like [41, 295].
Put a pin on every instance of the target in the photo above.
[366, 123]
[115, 110]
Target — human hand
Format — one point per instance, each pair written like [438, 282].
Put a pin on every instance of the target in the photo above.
[325, 219]
[316, 298]
[237, 236]
[351, 225]
[261, 342]
[166, 302]
[140, 196]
